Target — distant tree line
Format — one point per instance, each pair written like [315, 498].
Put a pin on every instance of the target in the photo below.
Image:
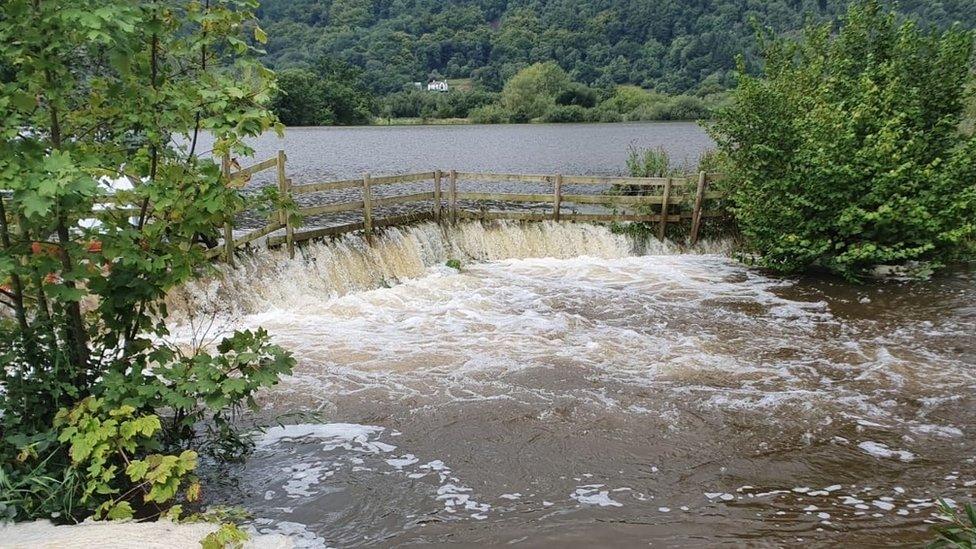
[671, 46]
[333, 93]
[544, 92]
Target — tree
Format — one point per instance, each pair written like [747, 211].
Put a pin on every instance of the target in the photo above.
[533, 90]
[846, 153]
[300, 101]
[666, 45]
[332, 93]
[122, 90]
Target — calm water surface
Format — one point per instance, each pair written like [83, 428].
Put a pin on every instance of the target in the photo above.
[333, 153]
[321, 154]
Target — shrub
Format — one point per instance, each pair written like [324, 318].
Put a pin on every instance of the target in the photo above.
[650, 162]
[87, 300]
[532, 90]
[489, 114]
[577, 94]
[680, 107]
[98, 460]
[565, 113]
[846, 154]
[601, 114]
[626, 99]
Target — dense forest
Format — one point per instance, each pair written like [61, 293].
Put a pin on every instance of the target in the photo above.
[671, 46]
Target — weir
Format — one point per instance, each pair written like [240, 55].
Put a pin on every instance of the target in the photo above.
[369, 203]
[267, 279]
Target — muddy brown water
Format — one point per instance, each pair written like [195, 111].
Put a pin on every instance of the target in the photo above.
[560, 391]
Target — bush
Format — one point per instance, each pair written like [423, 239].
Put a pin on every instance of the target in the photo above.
[332, 93]
[601, 114]
[532, 90]
[92, 402]
[490, 114]
[566, 113]
[577, 94]
[626, 99]
[846, 154]
[425, 104]
[680, 107]
[654, 162]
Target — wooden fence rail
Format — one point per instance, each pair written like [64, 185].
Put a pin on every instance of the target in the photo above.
[658, 200]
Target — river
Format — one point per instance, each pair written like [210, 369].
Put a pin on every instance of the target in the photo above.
[571, 387]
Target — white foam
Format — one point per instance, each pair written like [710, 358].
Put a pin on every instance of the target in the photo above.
[880, 450]
[592, 495]
[332, 436]
[400, 463]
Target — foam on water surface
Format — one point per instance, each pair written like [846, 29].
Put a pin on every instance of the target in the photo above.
[517, 374]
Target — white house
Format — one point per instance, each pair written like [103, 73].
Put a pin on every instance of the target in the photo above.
[437, 85]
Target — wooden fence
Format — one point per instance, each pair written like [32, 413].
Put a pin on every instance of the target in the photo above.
[655, 200]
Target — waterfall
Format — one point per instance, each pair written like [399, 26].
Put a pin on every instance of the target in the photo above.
[267, 279]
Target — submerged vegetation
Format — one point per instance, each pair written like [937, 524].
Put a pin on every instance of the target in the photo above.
[104, 103]
[847, 152]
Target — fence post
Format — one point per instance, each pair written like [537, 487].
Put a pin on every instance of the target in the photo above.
[289, 228]
[558, 198]
[665, 197]
[437, 195]
[284, 189]
[453, 196]
[367, 206]
[228, 227]
[696, 213]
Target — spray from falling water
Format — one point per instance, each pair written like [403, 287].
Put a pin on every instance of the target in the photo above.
[269, 279]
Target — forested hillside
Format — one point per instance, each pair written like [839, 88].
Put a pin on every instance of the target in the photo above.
[672, 46]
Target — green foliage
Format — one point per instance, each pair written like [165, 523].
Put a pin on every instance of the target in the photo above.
[847, 154]
[227, 536]
[627, 99]
[577, 94]
[671, 46]
[122, 90]
[489, 114]
[300, 101]
[424, 104]
[109, 468]
[960, 532]
[566, 113]
[198, 385]
[332, 93]
[533, 90]
[651, 162]
[454, 264]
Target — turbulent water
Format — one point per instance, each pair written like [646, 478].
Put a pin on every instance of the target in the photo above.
[570, 387]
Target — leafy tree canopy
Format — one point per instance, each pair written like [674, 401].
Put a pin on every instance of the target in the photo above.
[673, 46]
[331, 92]
[847, 152]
